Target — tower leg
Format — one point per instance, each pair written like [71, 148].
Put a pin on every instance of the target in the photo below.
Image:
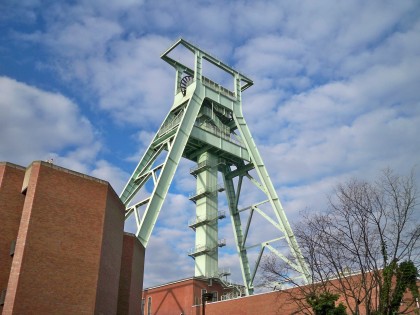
[175, 145]
[206, 235]
[268, 188]
[232, 199]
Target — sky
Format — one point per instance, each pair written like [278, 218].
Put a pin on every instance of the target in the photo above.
[336, 94]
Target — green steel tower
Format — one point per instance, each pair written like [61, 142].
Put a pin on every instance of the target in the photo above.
[205, 124]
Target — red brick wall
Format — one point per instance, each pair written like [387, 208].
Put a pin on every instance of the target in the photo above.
[209, 286]
[167, 299]
[179, 297]
[11, 203]
[272, 303]
[131, 276]
[174, 298]
[57, 265]
[111, 251]
[278, 303]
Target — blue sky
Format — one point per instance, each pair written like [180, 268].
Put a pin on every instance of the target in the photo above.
[336, 93]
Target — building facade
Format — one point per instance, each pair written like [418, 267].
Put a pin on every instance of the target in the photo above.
[184, 297]
[11, 205]
[71, 255]
[63, 251]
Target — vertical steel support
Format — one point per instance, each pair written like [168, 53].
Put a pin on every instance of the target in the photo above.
[176, 147]
[144, 165]
[232, 199]
[168, 171]
[267, 184]
[206, 235]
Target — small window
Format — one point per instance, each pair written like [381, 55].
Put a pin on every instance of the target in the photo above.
[149, 305]
[202, 293]
[142, 307]
[215, 296]
[12, 247]
[2, 296]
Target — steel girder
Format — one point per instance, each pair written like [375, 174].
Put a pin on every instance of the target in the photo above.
[181, 135]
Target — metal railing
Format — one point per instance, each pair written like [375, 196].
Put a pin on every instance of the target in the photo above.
[202, 249]
[212, 129]
[200, 166]
[201, 220]
[206, 192]
[217, 87]
[222, 272]
[167, 126]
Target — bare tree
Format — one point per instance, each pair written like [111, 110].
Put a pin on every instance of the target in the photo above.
[363, 247]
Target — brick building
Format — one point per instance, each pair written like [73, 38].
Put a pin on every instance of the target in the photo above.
[184, 297]
[131, 275]
[63, 251]
[71, 255]
[11, 205]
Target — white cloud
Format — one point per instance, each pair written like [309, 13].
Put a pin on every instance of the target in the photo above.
[40, 125]
[114, 175]
[130, 81]
[335, 93]
[167, 257]
[167, 252]
[36, 124]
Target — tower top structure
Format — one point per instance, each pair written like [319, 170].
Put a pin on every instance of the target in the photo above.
[246, 82]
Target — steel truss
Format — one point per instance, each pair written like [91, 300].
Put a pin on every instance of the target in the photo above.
[207, 118]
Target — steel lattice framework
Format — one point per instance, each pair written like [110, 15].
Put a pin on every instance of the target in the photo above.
[206, 125]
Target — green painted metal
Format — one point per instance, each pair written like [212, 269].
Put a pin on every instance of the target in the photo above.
[206, 235]
[233, 198]
[268, 186]
[206, 125]
[168, 170]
